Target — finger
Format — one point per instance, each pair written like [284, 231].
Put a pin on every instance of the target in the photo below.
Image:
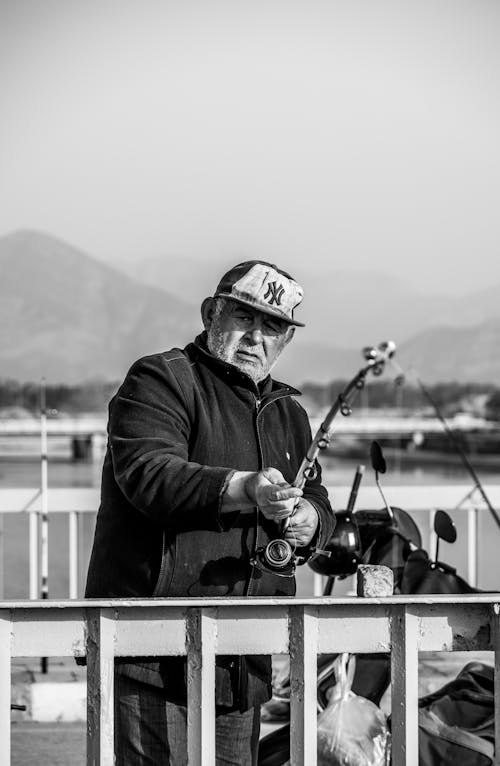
[298, 531]
[299, 519]
[273, 475]
[297, 541]
[275, 514]
[284, 493]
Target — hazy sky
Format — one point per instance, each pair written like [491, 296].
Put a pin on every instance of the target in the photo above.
[350, 134]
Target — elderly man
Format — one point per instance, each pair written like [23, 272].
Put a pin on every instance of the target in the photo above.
[197, 481]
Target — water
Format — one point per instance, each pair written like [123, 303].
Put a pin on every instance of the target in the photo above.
[337, 470]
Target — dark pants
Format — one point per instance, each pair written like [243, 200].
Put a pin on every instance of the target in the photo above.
[151, 731]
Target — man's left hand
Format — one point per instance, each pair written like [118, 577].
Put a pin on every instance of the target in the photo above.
[302, 524]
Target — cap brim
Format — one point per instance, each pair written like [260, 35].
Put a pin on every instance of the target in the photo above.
[263, 310]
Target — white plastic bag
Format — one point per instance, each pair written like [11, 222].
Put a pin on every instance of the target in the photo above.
[352, 730]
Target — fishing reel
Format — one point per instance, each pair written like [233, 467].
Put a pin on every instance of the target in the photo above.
[278, 554]
[277, 557]
[280, 558]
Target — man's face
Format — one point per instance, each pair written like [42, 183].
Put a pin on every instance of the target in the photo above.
[250, 340]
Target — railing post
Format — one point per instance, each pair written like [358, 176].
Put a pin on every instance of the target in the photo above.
[33, 554]
[432, 534]
[404, 683]
[201, 641]
[100, 687]
[303, 631]
[472, 543]
[74, 563]
[318, 584]
[5, 662]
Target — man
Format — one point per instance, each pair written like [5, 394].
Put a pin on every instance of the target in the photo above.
[203, 448]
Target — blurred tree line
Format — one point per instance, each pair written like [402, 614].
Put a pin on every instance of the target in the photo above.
[481, 399]
[60, 398]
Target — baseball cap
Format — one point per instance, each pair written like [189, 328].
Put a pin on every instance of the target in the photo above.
[264, 287]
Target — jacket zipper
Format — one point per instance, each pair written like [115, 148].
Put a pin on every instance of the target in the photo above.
[252, 566]
[256, 513]
[258, 409]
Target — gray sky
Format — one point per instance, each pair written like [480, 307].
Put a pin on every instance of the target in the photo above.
[349, 134]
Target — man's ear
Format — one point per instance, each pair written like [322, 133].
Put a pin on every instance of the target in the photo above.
[289, 334]
[207, 312]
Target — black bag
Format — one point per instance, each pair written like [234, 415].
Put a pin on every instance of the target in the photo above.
[456, 724]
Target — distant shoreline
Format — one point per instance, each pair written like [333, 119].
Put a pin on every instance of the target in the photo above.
[484, 460]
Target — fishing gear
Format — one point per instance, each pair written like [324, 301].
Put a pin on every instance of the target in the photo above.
[279, 555]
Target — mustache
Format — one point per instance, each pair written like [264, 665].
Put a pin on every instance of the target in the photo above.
[250, 348]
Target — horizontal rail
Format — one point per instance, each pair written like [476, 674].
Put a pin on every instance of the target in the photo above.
[201, 629]
[411, 498]
[12, 427]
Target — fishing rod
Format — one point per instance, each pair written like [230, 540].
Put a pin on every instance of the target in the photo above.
[376, 357]
[279, 554]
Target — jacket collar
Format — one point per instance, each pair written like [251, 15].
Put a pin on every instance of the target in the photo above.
[266, 388]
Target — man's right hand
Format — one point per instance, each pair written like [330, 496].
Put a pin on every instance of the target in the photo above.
[273, 495]
[266, 489]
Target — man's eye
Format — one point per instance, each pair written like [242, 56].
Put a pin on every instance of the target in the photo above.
[273, 327]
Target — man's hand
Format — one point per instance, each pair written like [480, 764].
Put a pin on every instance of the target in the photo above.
[274, 497]
[302, 524]
[266, 489]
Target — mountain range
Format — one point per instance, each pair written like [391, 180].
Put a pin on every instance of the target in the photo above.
[354, 308]
[68, 317]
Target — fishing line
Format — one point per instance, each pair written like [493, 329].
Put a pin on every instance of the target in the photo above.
[453, 439]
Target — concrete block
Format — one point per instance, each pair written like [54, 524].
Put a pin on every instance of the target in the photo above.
[374, 581]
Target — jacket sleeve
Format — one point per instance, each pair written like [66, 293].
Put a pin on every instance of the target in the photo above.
[148, 434]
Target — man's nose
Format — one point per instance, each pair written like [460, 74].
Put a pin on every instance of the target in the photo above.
[255, 334]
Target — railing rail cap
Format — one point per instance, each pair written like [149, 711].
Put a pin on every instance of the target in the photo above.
[207, 603]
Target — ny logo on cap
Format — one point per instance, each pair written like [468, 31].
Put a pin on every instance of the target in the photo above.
[274, 293]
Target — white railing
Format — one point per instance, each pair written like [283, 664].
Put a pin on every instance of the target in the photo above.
[78, 501]
[201, 629]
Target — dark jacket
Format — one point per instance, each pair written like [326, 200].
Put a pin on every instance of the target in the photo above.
[179, 425]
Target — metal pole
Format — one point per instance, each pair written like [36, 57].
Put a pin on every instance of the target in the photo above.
[34, 563]
[318, 585]
[432, 535]
[73, 554]
[399, 440]
[472, 545]
[44, 549]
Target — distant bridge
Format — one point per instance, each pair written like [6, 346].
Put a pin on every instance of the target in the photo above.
[88, 433]
[394, 426]
[64, 426]
[355, 425]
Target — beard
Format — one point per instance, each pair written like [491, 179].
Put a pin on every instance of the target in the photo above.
[249, 358]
